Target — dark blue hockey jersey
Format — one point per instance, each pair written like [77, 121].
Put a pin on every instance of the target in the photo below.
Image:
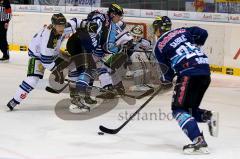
[178, 50]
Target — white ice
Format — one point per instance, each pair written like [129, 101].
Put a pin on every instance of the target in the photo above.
[35, 132]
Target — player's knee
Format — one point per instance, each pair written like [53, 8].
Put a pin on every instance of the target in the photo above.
[73, 75]
[83, 80]
[182, 117]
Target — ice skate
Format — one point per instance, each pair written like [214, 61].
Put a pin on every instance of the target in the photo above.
[198, 147]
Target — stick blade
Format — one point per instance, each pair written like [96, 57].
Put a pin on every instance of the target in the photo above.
[49, 89]
[137, 95]
[148, 92]
[108, 131]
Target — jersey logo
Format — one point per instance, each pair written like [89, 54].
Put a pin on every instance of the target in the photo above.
[53, 39]
[40, 68]
[169, 37]
[23, 96]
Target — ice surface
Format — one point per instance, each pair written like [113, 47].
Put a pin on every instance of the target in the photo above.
[35, 132]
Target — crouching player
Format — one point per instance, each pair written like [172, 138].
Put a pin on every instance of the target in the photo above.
[44, 52]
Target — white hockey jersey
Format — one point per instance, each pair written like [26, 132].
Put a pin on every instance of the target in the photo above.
[45, 45]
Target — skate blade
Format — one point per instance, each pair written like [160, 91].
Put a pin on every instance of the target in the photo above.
[76, 110]
[192, 151]
[215, 124]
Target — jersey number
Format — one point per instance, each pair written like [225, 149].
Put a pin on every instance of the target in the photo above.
[190, 50]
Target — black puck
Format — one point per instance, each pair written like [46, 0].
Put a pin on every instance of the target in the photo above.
[100, 133]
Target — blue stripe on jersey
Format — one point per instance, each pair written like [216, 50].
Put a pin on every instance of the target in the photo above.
[99, 52]
[47, 59]
[23, 88]
[27, 85]
[46, 62]
[31, 53]
[102, 71]
[74, 74]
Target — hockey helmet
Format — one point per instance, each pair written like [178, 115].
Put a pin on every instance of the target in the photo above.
[115, 9]
[58, 19]
[162, 23]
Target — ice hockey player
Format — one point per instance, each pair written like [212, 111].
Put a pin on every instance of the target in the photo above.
[179, 50]
[139, 61]
[99, 34]
[44, 52]
[113, 38]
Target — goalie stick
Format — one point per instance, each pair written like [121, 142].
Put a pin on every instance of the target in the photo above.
[115, 131]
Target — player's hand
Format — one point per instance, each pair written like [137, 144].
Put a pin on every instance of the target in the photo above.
[59, 76]
[65, 55]
[6, 25]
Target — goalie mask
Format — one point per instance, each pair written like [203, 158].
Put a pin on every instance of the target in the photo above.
[137, 33]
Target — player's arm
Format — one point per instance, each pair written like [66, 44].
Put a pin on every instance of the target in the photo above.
[72, 26]
[94, 23]
[199, 35]
[47, 52]
[165, 66]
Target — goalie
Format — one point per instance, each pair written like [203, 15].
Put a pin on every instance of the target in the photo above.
[139, 61]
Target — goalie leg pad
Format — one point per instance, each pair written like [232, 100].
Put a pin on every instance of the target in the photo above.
[140, 66]
[105, 79]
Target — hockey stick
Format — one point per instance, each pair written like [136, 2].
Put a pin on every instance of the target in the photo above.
[146, 93]
[115, 131]
[55, 91]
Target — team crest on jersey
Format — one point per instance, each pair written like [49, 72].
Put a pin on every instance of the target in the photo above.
[55, 42]
[23, 96]
[40, 68]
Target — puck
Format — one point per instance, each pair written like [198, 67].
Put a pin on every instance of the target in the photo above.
[100, 133]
